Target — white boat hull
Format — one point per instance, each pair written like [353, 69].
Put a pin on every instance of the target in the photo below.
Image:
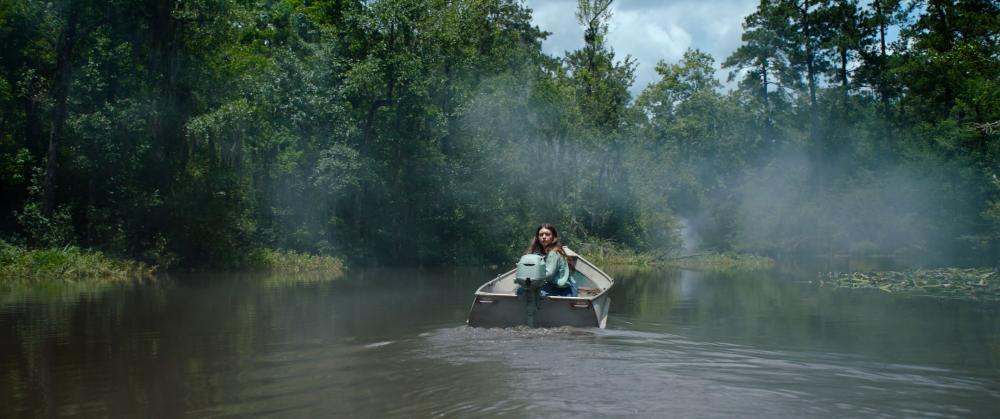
[497, 305]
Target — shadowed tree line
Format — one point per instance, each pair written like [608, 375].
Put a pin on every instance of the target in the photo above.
[191, 133]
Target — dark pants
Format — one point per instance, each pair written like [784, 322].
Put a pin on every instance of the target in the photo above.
[568, 291]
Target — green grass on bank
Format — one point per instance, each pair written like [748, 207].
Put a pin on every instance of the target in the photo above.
[67, 264]
[979, 283]
[73, 264]
[604, 253]
[292, 262]
[722, 262]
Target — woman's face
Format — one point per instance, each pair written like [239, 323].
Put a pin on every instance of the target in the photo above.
[545, 237]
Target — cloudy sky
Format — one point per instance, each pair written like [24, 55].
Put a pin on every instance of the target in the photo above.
[651, 30]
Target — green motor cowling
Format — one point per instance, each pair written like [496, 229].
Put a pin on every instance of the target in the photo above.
[530, 271]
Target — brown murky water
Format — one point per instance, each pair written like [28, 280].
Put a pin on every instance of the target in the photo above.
[393, 343]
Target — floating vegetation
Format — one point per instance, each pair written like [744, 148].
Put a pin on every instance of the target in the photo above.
[981, 283]
[722, 262]
[67, 264]
[292, 262]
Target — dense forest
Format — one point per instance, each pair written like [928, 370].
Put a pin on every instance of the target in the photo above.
[423, 132]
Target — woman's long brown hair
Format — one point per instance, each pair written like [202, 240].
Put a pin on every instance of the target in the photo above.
[536, 246]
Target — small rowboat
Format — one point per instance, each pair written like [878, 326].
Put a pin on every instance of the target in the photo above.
[498, 305]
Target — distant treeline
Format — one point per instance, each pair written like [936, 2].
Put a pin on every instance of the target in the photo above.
[194, 133]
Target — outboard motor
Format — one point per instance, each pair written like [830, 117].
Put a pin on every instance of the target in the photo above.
[530, 271]
[530, 275]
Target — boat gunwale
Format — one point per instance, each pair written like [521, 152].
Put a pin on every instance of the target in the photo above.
[611, 283]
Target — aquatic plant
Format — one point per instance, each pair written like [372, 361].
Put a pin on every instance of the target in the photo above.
[290, 261]
[979, 283]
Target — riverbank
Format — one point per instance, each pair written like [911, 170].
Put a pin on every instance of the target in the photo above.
[607, 253]
[722, 262]
[975, 283]
[603, 253]
[74, 264]
[66, 264]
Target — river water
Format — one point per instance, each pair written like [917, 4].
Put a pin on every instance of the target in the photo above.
[393, 343]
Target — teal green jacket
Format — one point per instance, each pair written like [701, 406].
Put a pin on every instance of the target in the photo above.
[556, 269]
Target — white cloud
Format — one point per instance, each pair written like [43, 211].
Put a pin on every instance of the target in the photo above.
[651, 31]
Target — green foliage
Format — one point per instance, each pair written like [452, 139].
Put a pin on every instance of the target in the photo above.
[13, 166]
[43, 230]
[605, 253]
[423, 132]
[896, 171]
[67, 264]
[292, 262]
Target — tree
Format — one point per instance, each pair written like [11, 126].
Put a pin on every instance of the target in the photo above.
[844, 42]
[69, 13]
[601, 85]
[874, 70]
[702, 142]
[762, 56]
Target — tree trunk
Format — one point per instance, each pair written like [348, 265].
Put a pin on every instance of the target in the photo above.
[364, 149]
[91, 208]
[882, 80]
[810, 70]
[882, 88]
[763, 89]
[60, 91]
[843, 76]
[165, 122]
[810, 74]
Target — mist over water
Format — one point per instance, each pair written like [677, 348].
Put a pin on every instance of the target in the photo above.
[906, 210]
[689, 237]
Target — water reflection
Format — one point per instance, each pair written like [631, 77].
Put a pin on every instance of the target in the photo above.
[393, 343]
[615, 372]
[767, 311]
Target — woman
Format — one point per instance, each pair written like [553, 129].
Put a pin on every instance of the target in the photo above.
[558, 276]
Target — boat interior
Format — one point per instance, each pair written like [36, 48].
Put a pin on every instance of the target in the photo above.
[589, 281]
